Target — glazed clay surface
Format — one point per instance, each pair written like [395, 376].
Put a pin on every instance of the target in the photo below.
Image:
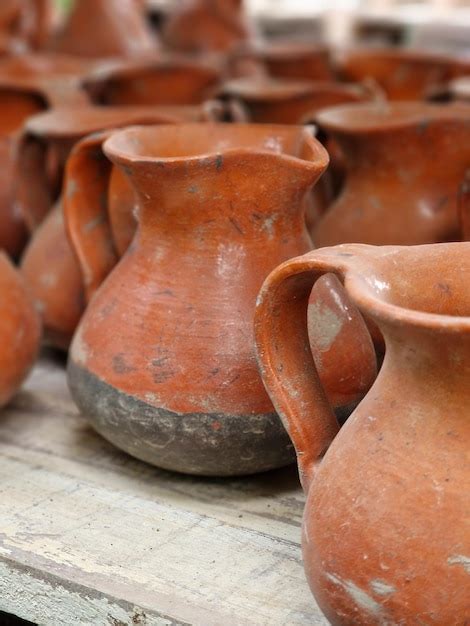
[48, 263]
[385, 531]
[405, 163]
[20, 330]
[162, 362]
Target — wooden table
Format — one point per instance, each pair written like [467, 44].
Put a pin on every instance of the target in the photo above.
[89, 535]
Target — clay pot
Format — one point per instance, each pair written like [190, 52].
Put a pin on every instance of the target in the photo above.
[28, 85]
[403, 74]
[166, 81]
[378, 545]
[106, 28]
[20, 330]
[289, 59]
[25, 24]
[166, 342]
[287, 102]
[197, 26]
[405, 163]
[48, 264]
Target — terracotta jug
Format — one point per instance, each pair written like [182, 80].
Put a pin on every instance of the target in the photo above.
[176, 384]
[385, 530]
[28, 85]
[403, 74]
[287, 101]
[20, 330]
[166, 81]
[291, 59]
[206, 25]
[405, 163]
[48, 263]
[106, 28]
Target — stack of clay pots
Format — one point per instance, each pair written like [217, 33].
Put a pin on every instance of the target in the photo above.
[253, 249]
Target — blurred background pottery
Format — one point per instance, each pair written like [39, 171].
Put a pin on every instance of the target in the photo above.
[360, 564]
[166, 341]
[195, 26]
[25, 24]
[20, 330]
[168, 80]
[48, 263]
[405, 163]
[106, 28]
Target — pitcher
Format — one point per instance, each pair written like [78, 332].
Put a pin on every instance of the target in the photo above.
[162, 362]
[385, 531]
[405, 163]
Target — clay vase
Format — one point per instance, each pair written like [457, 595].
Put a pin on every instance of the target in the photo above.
[106, 28]
[196, 26]
[166, 81]
[28, 85]
[289, 59]
[403, 74]
[385, 529]
[162, 363]
[48, 263]
[20, 330]
[405, 163]
[276, 101]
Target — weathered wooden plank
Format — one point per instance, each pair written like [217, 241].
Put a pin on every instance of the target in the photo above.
[90, 535]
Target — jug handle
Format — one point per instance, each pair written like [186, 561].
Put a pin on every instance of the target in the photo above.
[285, 359]
[33, 195]
[86, 185]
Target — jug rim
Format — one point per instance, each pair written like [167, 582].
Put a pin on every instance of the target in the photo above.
[267, 87]
[115, 151]
[368, 300]
[377, 117]
[73, 121]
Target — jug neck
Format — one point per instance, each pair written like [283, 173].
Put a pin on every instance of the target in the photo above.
[251, 196]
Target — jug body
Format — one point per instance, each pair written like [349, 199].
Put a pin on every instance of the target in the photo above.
[378, 546]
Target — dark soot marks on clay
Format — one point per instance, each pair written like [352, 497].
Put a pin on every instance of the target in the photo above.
[208, 444]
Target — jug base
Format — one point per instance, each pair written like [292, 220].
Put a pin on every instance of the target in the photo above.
[205, 444]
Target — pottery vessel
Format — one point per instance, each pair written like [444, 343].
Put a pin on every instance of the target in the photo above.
[25, 24]
[28, 85]
[106, 28]
[166, 342]
[385, 531]
[48, 263]
[289, 59]
[276, 101]
[166, 81]
[403, 74]
[405, 163]
[20, 330]
[195, 26]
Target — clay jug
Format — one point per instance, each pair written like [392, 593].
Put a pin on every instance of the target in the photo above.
[106, 28]
[48, 263]
[287, 101]
[405, 163]
[385, 530]
[403, 74]
[20, 330]
[291, 59]
[166, 81]
[162, 363]
[25, 89]
[206, 25]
